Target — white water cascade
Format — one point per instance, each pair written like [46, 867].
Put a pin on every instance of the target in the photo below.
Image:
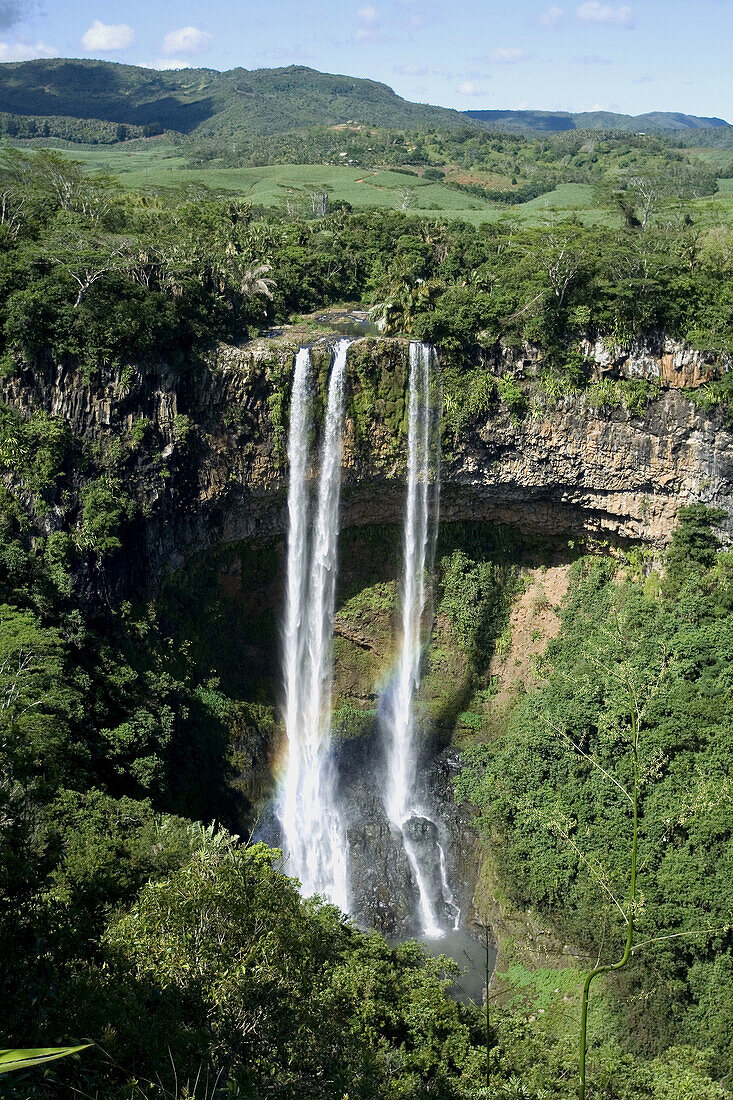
[313, 833]
[399, 704]
[402, 803]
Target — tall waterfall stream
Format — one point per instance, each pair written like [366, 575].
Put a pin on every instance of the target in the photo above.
[398, 717]
[314, 837]
[313, 822]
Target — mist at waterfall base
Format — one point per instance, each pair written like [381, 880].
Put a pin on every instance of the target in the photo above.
[313, 821]
[470, 956]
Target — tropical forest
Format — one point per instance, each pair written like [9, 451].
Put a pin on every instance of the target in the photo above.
[366, 575]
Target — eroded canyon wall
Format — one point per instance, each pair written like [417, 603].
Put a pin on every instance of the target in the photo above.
[212, 467]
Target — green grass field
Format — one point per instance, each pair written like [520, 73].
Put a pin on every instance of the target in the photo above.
[160, 166]
[120, 160]
[271, 185]
[143, 164]
[720, 206]
[720, 158]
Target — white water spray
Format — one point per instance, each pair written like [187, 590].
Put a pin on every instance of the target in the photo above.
[448, 895]
[398, 714]
[313, 833]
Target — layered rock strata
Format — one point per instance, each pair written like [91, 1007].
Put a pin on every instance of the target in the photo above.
[565, 468]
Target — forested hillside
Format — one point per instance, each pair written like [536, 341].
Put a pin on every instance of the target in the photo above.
[559, 121]
[257, 101]
[138, 919]
[633, 692]
[43, 98]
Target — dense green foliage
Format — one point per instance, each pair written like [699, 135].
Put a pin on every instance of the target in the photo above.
[550, 796]
[94, 275]
[279, 990]
[89, 131]
[465, 289]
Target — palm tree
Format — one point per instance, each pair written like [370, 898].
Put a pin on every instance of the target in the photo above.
[254, 281]
[403, 301]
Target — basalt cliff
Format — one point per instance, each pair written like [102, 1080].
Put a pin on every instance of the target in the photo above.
[210, 468]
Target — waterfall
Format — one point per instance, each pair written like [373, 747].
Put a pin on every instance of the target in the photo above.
[313, 833]
[312, 825]
[400, 715]
[402, 804]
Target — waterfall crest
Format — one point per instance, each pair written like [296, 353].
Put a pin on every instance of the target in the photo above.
[314, 838]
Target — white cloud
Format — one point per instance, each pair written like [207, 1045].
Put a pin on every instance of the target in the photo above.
[369, 30]
[590, 59]
[108, 36]
[643, 79]
[552, 17]
[411, 69]
[186, 40]
[368, 15]
[593, 11]
[469, 88]
[508, 56]
[26, 51]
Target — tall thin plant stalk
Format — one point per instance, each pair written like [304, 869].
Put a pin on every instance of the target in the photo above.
[634, 797]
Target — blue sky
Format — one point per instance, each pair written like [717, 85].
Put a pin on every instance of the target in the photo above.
[552, 54]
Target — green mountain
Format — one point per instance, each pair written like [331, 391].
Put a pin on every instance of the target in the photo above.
[101, 101]
[560, 121]
[258, 101]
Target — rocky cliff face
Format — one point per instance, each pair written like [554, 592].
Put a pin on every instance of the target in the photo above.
[215, 470]
[212, 471]
[659, 359]
[573, 469]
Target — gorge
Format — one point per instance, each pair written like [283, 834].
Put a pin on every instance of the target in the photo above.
[567, 472]
[276, 461]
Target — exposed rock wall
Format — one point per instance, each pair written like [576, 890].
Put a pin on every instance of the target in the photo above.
[656, 360]
[573, 469]
[566, 468]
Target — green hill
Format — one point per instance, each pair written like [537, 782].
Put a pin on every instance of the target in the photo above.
[259, 101]
[86, 100]
[561, 121]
